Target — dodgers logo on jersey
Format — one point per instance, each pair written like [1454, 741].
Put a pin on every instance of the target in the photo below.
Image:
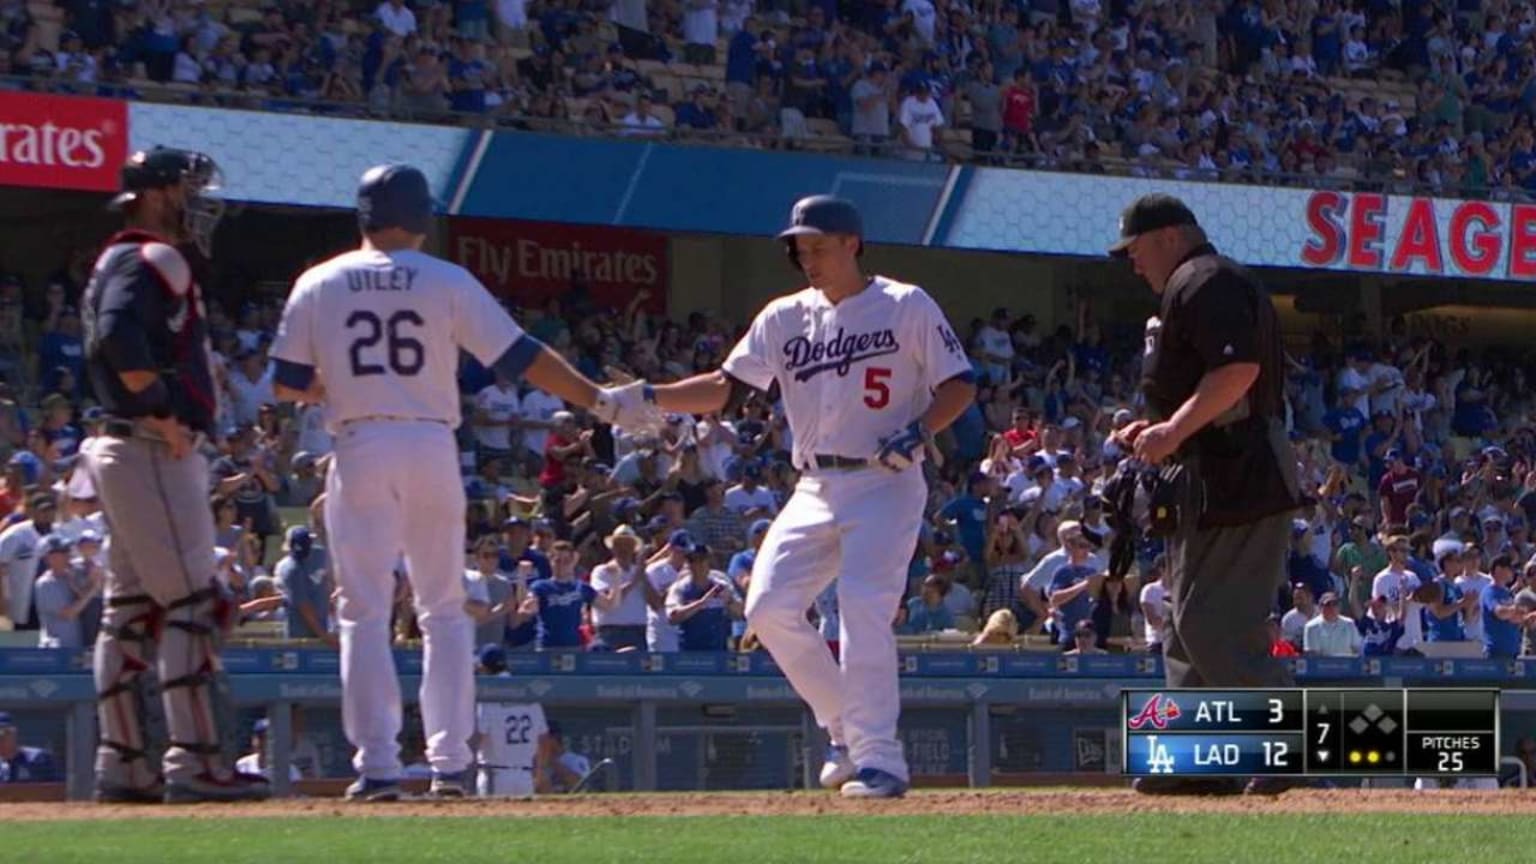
[807, 359]
[1155, 712]
[951, 341]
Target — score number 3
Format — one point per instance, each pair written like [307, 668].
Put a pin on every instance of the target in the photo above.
[877, 393]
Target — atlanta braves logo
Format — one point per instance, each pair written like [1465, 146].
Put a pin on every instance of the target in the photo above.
[1156, 712]
[807, 359]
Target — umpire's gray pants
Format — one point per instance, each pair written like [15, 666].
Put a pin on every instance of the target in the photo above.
[1222, 583]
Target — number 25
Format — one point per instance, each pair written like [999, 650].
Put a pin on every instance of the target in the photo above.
[877, 393]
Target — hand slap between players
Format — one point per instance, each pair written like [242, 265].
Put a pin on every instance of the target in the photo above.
[631, 407]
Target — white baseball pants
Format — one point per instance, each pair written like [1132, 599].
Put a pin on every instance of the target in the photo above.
[860, 528]
[394, 489]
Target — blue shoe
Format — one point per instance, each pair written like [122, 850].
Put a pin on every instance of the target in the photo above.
[372, 791]
[838, 768]
[449, 785]
[874, 783]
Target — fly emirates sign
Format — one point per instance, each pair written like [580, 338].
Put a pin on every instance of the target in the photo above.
[1423, 236]
[61, 142]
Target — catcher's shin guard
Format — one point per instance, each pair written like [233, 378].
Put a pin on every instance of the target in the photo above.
[125, 759]
[195, 698]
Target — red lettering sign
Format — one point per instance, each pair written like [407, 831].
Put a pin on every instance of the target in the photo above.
[1323, 210]
[1475, 253]
[1434, 237]
[61, 142]
[531, 262]
[1366, 225]
[1419, 239]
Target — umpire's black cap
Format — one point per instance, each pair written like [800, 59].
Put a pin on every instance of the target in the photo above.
[394, 196]
[823, 214]
[1149, 213]
[160, 167]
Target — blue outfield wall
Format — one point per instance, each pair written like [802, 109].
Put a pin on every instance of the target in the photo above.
[685, 188]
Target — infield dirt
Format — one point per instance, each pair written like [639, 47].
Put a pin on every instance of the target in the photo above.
[946, 802]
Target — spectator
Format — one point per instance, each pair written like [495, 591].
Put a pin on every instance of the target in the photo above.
[517, 549]
[304, 483]
[696, 113]
[496, 414]
[701, 27]
[665, 568]
[1156, 605]
[1007, 561]
[20, 764]
[1400, 585]
[1279, 646]
[468, 74]
[1379, 629]
[986, 100]
[1084, 641]
[871, 107]
[304, 579]
[559, 602]
[1330, 634]
[748, 499]
[59, 605]
[702, 604]
[256, 761]
[642, 120]
[20, 544]
[920, 117]
[1074, 584]
[396, 17]
[927, 612]
[1444, 600]
[490, 598]
[1303, 609]
[623, 594]
[716, 525]
[1112, 611]
[1505, 616]
[250, 386]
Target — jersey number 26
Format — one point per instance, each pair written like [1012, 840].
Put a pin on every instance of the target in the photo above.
[403, 355]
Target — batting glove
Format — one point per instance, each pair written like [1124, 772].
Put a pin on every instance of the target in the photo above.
[632, 407]
[898, 451]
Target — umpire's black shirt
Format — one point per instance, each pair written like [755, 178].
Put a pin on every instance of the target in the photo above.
[1214, 313]
[143, 311]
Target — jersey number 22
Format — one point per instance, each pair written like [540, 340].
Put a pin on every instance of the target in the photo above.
[518, 727]
[403, 355]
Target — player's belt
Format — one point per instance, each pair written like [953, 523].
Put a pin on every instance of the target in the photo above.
[829, 462]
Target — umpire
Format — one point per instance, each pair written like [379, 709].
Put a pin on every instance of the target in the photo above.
[1213, 381]
[146, 351]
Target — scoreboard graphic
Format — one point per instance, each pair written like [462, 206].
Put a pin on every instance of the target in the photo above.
[1328, 732]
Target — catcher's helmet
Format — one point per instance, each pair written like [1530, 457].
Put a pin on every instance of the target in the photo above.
[163, 167]
[394, 196]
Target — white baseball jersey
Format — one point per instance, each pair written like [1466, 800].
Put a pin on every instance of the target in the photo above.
[853, 372]
[384, 329]
[509, 742]
[498, 405]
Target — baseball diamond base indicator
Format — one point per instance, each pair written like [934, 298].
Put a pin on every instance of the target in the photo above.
[1324, 732]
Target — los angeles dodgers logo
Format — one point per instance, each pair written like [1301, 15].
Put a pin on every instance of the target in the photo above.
[1159, 760]
[1156, 713]
[807, 359]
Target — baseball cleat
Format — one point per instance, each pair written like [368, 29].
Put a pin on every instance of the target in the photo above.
[370, 791]
[874, 783]
[838, 769]
[208, 788]
[117, 793]
[449, 786]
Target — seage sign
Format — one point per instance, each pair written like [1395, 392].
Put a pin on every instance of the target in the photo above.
[1421, 236]
[62, 142]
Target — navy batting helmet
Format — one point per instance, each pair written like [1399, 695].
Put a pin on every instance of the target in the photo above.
[821, 214]
[394, 196]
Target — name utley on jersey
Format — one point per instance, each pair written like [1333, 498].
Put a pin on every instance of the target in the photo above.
[853, 372]
[384, 329]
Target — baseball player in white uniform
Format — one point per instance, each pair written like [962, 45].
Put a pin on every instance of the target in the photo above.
[869, 370]
[510, 737]
[375, 335]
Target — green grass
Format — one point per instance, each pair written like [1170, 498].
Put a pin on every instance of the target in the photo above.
[1088, 839]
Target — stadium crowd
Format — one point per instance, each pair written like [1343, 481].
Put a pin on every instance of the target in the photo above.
[1418, 458]
[1402, 96]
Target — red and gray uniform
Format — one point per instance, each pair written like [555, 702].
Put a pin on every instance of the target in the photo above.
[143, 311]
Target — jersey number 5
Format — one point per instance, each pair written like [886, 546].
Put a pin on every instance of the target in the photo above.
[404, 355]
[877, 393]
[518, 727]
